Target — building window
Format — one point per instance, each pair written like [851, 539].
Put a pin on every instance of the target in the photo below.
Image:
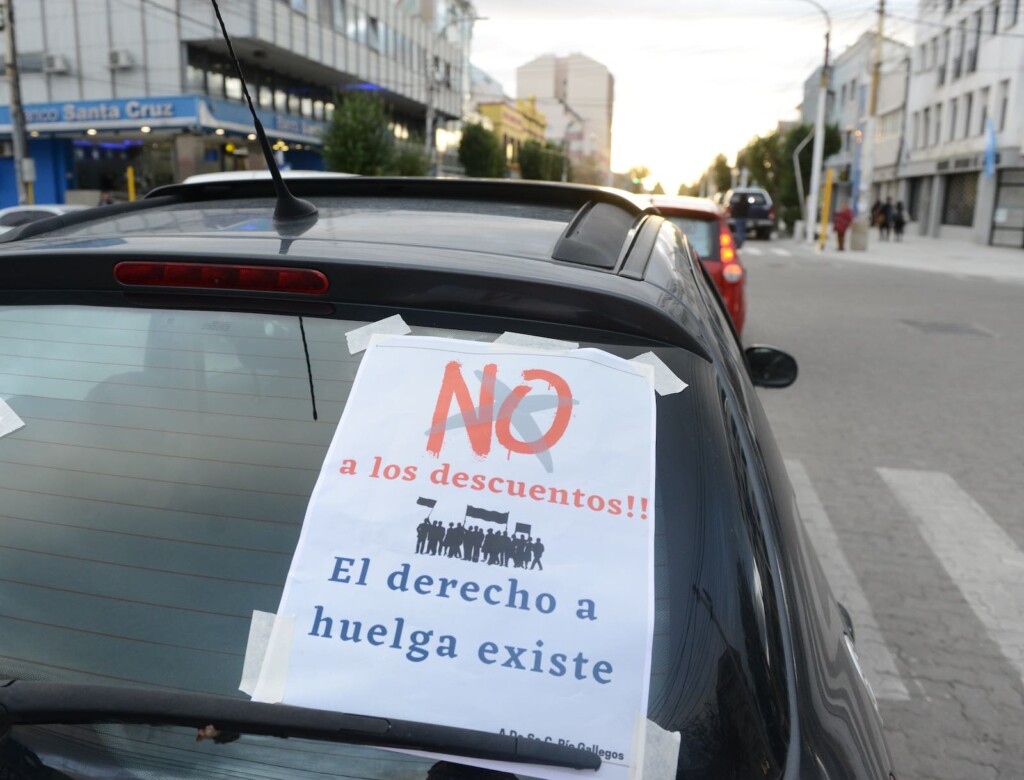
[983, 101]
[938, 124]
[265, 95]
[968, 113]
[842, 94]
[995, 17]
[972, 53]
[338, 7]
[280, 101]
[915, 121]
[233, 88]
[372, 33]
[299, 5]
[1014, 10]
[961, 43]
[926, 135]
[195, 79]
[215, 83]
[954, 104]
[961, 194]
[1004, 101]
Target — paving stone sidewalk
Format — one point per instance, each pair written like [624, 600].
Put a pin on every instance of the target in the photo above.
[937, 255]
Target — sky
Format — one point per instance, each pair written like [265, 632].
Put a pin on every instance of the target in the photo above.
[692, 77]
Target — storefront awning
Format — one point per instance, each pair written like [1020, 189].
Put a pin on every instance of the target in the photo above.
[183, 112]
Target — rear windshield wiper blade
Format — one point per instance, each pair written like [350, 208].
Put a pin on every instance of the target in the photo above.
[24, 702]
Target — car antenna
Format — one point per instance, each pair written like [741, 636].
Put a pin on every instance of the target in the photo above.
[288, 208]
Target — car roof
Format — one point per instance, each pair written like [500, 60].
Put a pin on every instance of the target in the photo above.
[686, 203]
[560, 251]
[205, 178]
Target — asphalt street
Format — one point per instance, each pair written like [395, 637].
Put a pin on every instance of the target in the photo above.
[904, 436]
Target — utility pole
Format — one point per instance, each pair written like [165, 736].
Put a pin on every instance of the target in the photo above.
[18, 143]
[867, 155]
[818, 150]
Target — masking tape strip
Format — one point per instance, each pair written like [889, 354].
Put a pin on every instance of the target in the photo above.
[267, 656]
[665, 381]
[660, 753]
[510, 339]
[9, 421]
[359, 339]
[260, 628]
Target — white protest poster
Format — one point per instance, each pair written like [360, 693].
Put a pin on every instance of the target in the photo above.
[478, 549]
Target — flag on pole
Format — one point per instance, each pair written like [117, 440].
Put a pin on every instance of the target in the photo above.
[485, 514]
[426, 502]
[990, 147]
[522, 528]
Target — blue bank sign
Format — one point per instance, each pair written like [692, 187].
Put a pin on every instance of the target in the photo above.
[189, 111]
[106, 113]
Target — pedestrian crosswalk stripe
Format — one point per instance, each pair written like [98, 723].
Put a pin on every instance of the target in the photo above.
[979, 556]
[877, 661]
[752, 250]
[782, 252]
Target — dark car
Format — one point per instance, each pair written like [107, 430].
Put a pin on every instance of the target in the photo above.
[176, 373]
[760, 210]
[709, 236]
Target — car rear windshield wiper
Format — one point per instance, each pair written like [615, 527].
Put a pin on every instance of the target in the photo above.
[24, 702]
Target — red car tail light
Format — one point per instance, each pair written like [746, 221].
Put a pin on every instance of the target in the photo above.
[221, 277]
[725, 244]
[732, 272]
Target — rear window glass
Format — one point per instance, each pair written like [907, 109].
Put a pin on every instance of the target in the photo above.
[703, 234]
[155, 495]
[753, 198]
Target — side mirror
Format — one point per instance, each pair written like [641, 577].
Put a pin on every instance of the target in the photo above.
[770, 367]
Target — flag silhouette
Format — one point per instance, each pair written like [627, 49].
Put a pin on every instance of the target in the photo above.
[485, 514]
[522, 528]
[426, 502]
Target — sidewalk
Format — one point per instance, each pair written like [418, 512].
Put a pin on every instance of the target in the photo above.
[937, 255]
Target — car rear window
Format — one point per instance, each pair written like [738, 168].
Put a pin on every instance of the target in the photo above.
[753, 198]
[702, 232]
[154, 497]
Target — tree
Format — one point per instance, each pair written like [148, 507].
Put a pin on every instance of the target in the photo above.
[658, 189]
[769, 159]
[359, 139]
[410, 159]
[480, 152]
[637, 174]
[531, 161]
[589, 171]
[721, 174]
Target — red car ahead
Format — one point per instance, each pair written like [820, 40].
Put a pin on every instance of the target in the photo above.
[704, 224]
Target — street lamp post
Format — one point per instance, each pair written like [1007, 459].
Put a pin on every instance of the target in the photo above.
[818, 149]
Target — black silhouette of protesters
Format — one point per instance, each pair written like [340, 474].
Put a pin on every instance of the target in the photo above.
[536, 551]
[435, 535]
[473, 543]
[422, 532]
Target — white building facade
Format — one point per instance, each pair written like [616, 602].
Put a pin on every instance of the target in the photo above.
[967, 73]
[856, 164]
[577, 95]
[145, 85]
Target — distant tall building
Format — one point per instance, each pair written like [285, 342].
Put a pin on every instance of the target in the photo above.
[577, 96]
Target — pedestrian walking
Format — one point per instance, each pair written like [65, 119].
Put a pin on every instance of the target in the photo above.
[884, 219]
[899, 221]
[841, 222]
[739, 208]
